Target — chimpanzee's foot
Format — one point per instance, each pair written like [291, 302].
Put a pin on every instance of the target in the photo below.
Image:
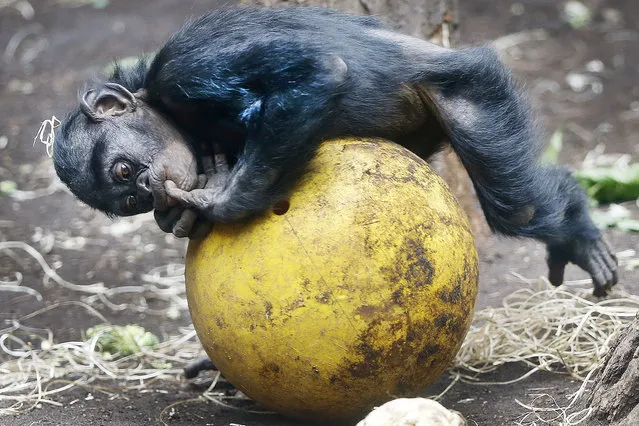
[593, 256]
[193, 368]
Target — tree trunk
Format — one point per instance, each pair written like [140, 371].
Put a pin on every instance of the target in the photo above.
[434, 20]
[615, 396]
[420, 18]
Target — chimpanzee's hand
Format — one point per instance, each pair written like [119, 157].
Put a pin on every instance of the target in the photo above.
[204, 199]
[593, 256]
[183, 222]
[176, 163]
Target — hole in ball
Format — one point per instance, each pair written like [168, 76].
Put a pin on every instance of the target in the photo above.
[281, 207]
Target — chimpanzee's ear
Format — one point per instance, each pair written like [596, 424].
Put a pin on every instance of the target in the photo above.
[107, 100]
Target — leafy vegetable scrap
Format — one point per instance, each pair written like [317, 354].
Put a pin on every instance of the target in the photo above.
[120, 341]
[610, 184]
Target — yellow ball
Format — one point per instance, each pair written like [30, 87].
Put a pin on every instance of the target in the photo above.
[358, 290]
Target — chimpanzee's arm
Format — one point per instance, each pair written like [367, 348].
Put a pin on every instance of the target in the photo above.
[284, 130]
[282, 139]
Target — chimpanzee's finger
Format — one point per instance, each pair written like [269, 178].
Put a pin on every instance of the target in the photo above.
[208, 165]
[173, 191]
[609, 259]
[167, 218]
[157, 177]
[201, 229]
[201, 181]
[556, 272]
[221, 163]
[603, 277]
[196, 198]
[184, 225]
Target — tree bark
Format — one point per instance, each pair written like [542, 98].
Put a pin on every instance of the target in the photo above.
[420, 18]
[434, 20]
[615, 396]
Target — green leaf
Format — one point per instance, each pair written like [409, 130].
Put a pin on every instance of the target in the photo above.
[100, 4]
[615, 216]
[97, 4]
[7, 187]
[628, 225]
[577, 14]
[610, 184]
[555, 144]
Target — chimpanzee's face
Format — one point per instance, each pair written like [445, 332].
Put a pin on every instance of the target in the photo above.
[115, 152]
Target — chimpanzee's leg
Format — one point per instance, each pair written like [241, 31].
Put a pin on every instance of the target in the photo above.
[490, 127]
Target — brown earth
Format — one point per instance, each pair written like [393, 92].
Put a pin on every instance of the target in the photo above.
[38, 80]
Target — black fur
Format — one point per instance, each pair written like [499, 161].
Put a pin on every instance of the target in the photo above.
[269, 85]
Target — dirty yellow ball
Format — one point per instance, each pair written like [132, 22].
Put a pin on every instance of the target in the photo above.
[358, 289]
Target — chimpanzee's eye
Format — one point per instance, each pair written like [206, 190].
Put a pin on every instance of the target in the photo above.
[123, 171]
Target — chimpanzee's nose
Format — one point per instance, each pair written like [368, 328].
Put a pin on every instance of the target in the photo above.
[144, 187]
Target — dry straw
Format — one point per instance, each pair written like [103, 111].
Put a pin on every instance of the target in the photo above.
[555, 329]
[46, 134]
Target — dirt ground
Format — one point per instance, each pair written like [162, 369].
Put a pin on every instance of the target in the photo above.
[46, 58]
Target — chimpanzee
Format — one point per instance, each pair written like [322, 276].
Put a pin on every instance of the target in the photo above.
[262, 88]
